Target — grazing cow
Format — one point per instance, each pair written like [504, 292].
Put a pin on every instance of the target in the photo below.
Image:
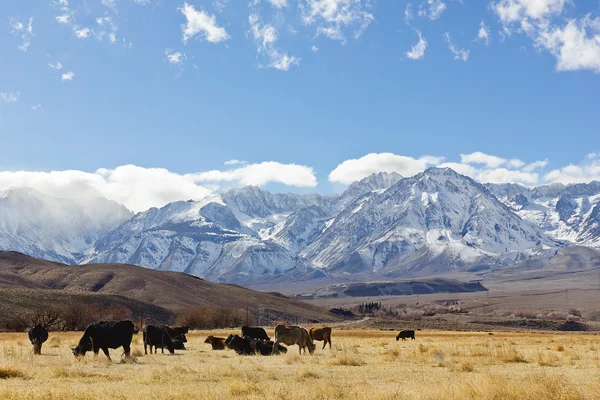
[405, 335]
[158, 337]
[37, 335]
[217, 343]
[290, 335]
[178, 345]
[105, 335]
[178, 332]
[241, 346]
[321, 334]
[254, 333]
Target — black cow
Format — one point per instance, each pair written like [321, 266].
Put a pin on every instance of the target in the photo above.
[264, 347]
[178, 332]
[158, 337]
[405, 335]
[106, 335]
[178, 345]
[241, 346]
[254, 333]
[37, 335]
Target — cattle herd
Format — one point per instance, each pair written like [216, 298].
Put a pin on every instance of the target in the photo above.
[106, 335]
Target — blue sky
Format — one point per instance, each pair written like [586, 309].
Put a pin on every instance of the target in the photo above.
[327, 91]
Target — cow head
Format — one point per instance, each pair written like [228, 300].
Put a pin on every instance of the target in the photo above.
[311, 347]
[209, 339]
[83, 347]
[398, 337]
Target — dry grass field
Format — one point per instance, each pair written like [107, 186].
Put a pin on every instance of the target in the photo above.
[361, 364]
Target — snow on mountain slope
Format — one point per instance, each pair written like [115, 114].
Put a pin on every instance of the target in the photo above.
[201, 239]
[300, 228]
[436, 215]
[563, 212]
[53, 228]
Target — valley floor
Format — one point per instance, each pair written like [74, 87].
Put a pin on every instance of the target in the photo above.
[361, 364]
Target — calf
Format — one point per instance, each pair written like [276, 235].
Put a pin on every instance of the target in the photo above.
[158, 337]
[37, 335]
[265, 347]
[217, 343]
[106, 335]
[241, 346]
[405, 335]
[321, 334]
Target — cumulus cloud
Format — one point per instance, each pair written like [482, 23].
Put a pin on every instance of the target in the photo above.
[588, 170]
[482, 158]
[261, 174]
[83, 33]
[510, 11]
[68, 76]
[355, 169]
[417, 52]
[265, 36]
[140, 188]
[459, 54]
[200, 23]
[333, 17]
[575, 45]
[314, 49]
[479, 166]
[235, 162]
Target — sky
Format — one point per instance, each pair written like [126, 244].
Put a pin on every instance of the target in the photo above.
[150, 101]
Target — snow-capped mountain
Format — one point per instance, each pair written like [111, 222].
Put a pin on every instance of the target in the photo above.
[570, 213]
[204, 240]
[431, 223]
[55, 228]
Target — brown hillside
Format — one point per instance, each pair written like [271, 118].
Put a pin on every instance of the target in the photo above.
[169, 290]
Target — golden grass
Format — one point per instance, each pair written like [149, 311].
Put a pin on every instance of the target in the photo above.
[361, 364]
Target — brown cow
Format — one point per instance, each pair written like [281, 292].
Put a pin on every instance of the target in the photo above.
[291, 335]
[217, 343]
[321, 334]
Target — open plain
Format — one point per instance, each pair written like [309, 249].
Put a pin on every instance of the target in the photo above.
[361, 364]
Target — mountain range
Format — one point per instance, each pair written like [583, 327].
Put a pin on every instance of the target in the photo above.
[384, 226]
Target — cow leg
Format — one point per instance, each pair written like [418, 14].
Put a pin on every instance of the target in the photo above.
[96, 351]
[146, 348]
[330, 343]
[275, 347]
[105, 350]
[324, 343]
[127, 351]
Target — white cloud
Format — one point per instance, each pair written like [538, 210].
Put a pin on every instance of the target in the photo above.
[57, 65]
[503, 175]
[265, 36]
[510, 11]
[587, 171]
[436, 8]
[331, 17]
[109, 3]
[484, 33]
[37, 107]
[220, 5]
[575, 45]
[63, 19]
[355, 169]
[314, 49]
[25, 32]
[142, 2]
[459, 54]
[235, 162]
[174, 57]
[408, 14]
[83, 33]
[279, 3]
[261, 174]
[417, 52]
[9, 97]
[482, 158]
[140, 188]
[68, 76]
[200, 23]
[515, 163]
